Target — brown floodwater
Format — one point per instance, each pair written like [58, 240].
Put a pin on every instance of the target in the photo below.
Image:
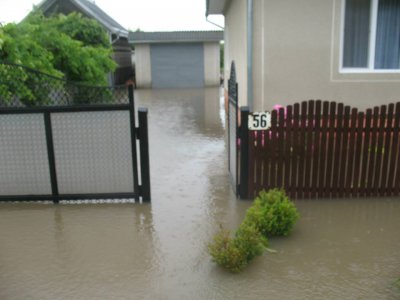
[339, 249]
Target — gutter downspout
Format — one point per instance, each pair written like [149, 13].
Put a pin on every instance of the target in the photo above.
[250, 54]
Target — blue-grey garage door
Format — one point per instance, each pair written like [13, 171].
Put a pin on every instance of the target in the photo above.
[177, 65]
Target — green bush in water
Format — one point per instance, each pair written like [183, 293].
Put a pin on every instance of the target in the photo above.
[250, 241]
[235, 253]
[225, 253]
[272, 213]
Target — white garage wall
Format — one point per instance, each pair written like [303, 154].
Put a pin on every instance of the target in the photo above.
[143, 66]
[211, 64]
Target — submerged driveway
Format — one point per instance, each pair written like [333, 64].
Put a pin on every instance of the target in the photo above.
[340, 249]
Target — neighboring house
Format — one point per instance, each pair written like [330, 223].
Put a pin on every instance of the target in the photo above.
[118, 34]
[292, 50]
[180, 59]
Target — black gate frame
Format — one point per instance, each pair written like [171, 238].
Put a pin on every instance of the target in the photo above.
[137, 133]
[240, 147]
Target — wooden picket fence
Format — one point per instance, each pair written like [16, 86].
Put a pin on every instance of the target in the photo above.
[323, 149]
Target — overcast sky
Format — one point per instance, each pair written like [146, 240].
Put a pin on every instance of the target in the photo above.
[148, 15]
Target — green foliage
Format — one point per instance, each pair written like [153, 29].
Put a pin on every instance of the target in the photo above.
[226, 254]
[272, 213]
[70, 47]
[82, 29]
[250, 241]
[235, 253]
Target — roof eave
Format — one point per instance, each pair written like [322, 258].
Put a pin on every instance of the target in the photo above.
[112, 29]
[216, 7]
[45, 4]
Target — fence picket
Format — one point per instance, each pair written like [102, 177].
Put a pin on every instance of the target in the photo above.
[316, 152]
[379, 150]
[337, 151]
[366, 145]
[372, 152]
[329, 167]
[281, 147]
[308, 149]
[252, 161]
[388, 137]
[274, 148]
[344, 153]
[351, 166]
[295, 153]
[358, 154]
[267, 159]
[259, 160]
[302, 151]
[323, 154]
[396, 146]
[289, 147]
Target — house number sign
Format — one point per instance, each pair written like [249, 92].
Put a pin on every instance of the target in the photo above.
[260, 120]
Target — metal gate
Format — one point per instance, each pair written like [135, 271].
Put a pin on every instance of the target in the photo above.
[233, 128]
[61, 141]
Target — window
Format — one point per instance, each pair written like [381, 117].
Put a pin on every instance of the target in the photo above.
[371, 37]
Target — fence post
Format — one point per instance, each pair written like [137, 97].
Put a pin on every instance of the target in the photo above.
[144, 154]
[51, 156]
[244, 153]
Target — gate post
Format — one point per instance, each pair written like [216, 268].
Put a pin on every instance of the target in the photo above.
[133, 139]
[144, 155]
[51, 156]
[244, 153]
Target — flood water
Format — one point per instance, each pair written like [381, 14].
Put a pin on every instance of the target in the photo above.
[339, 249]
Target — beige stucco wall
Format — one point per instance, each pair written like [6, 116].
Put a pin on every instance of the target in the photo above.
[296, 56]
[235, 45]
[211, 64]
[143, 66]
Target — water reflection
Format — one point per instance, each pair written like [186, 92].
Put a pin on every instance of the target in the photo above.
[70, 250]
[339, 249]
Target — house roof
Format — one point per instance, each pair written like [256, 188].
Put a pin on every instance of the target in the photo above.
[216, 7]
[90, 9]
[140, 37]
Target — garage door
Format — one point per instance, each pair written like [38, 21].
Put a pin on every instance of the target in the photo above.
[177, 65]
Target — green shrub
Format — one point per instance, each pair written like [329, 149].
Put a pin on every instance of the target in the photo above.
[225, 253]
[272, 213]
[235, 253]
[250, 241]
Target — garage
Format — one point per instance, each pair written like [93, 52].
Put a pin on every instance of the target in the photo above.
[177, 65]
[179, 59]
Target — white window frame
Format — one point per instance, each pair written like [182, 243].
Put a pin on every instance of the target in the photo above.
[371, 47]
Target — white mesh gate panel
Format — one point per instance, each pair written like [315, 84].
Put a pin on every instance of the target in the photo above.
[93, 152]
[23, 155]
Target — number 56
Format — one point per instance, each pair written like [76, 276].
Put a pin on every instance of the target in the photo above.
[260, 121]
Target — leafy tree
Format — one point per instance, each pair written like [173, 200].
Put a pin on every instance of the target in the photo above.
[70, 47]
